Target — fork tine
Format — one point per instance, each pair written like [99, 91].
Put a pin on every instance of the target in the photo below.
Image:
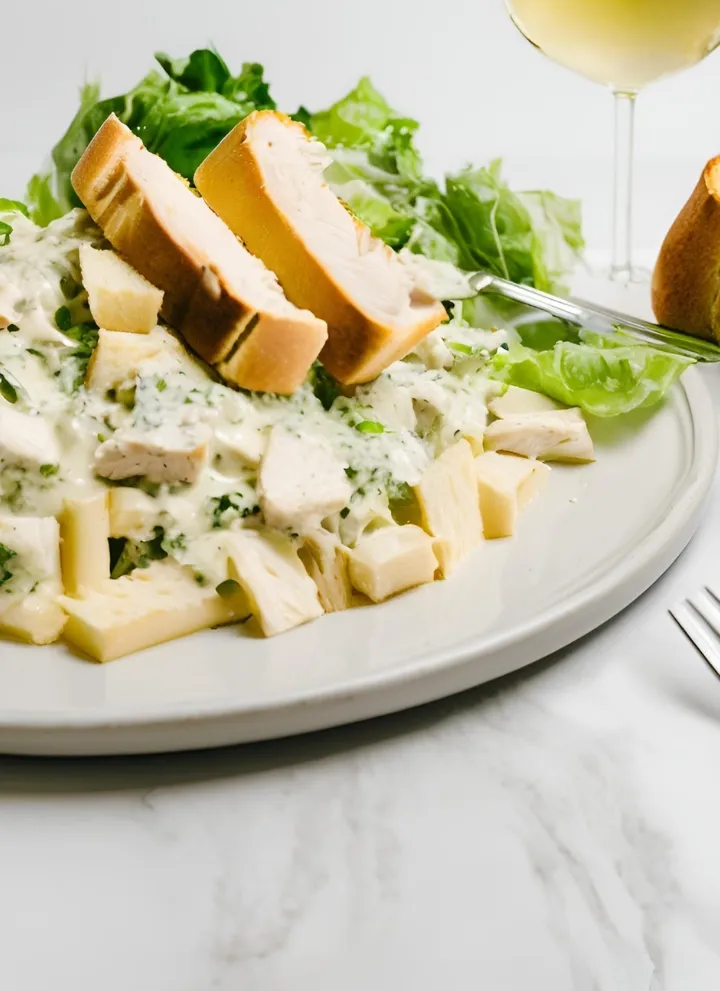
[693, 624]
[709, 608]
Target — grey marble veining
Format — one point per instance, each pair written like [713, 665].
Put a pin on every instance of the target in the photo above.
[556, 831]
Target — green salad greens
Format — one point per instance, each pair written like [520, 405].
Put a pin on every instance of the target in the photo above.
[471, 219]
[603, 380]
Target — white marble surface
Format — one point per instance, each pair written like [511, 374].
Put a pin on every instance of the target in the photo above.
[557, 831]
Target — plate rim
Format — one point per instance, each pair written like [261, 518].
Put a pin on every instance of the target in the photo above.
[611, 592]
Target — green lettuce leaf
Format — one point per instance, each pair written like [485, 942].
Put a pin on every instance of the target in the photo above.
[472, 220]
[7, 209]
[202, 70]
[530, 238]
[605, 380]
[365, 120]
[376, 168]
[180, 114]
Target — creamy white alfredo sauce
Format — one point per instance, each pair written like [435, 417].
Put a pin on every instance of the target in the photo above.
[384, 434]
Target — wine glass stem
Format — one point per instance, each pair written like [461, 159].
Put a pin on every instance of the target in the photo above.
[621, 269]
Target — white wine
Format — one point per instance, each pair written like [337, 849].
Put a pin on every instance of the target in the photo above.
[624, 44]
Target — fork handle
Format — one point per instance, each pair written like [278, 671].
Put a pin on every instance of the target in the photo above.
[599, 318]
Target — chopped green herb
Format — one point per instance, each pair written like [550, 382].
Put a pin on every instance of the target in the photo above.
[460, 348]
[137, 554]
[5, 555]
[400, 493]
[351, 472]
[47, 471]
[176, 543]
[344, 513]
[324, 386]
[12, 328]
[5, 232]
[161, 385]
[224, 509]
[86, 336]
[370, 427]
[63, 319]
[7, 389]
[227, 589]
[68, 287]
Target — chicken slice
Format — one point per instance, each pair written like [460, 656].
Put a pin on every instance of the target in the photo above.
[26, 441]
[516, 401]
[301, 481]
[450, 507]
[167, 454]
[265, 179]
[559, 435]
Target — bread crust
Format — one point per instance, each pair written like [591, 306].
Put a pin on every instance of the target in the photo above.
[197, 301]
[359, 347]
[686, 279]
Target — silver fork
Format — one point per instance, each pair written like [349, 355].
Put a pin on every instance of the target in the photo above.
[699, 619]
[598, 318]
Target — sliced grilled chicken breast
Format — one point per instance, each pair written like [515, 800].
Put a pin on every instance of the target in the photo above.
[227, 305]
[265, 179]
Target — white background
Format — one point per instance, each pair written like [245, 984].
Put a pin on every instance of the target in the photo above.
[460, 67]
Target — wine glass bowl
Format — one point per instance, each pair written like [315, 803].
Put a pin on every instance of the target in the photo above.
[624, 45]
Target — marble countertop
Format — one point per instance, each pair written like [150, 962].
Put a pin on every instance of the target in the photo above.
[557, 831]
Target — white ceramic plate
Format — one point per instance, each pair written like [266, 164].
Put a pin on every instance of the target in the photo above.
[596, 539]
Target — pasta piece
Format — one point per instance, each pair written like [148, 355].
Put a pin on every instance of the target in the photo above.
[326, 562]
[30, 579]
[148, 607]
[507, 485]
[448, 498]
[133, 513]
[390, 560]
[84, 548]
[280, 592]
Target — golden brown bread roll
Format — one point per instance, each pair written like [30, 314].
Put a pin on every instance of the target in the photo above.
[265, 179]
[686, 280]
[227, 305]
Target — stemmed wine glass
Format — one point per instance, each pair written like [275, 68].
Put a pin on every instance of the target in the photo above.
[625, 45]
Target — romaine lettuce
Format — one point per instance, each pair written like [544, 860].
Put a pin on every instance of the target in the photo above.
[180, 115]
[473, 220]
[602, 378]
